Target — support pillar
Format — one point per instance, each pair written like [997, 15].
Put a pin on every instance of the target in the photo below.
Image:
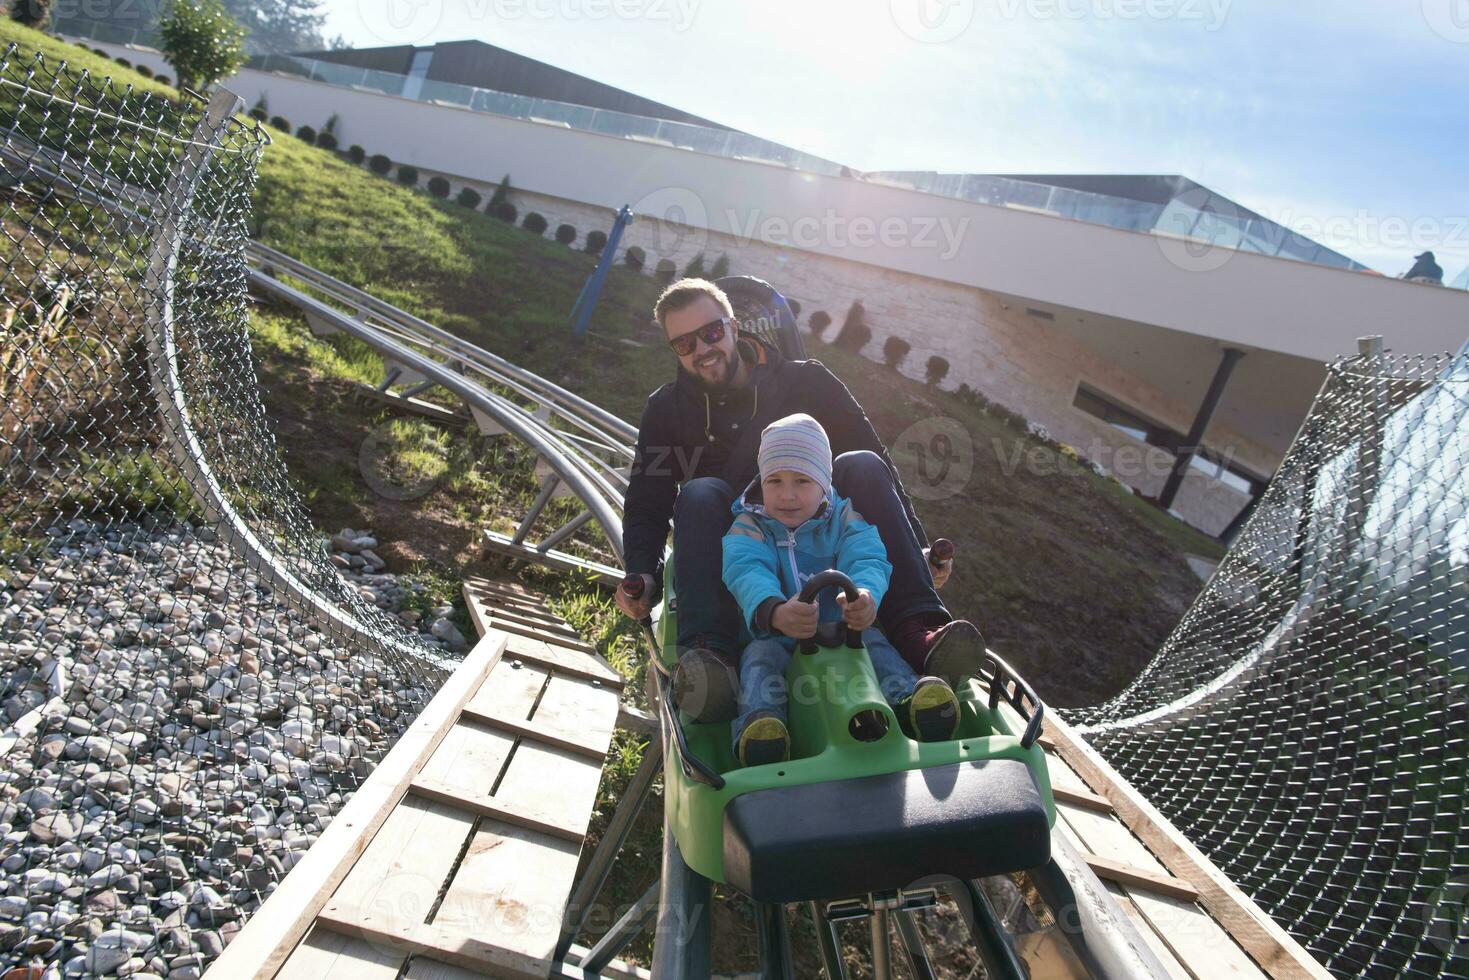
[1195, 438]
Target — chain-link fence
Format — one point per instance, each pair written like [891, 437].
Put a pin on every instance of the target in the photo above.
[189, 689]
[1307, 723]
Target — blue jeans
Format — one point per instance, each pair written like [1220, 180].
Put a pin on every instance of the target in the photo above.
[763, 676]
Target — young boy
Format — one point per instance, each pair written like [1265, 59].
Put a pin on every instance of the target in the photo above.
[789, 525]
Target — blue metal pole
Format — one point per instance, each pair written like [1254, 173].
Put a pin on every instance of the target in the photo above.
[581, 314]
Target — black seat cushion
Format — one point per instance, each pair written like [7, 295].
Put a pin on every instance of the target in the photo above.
[848, 837]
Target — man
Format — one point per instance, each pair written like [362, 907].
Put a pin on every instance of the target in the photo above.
[1425, 269]
[697, 450]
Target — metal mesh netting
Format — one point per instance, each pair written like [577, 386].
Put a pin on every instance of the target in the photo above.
[1307, 723]
[190, 690]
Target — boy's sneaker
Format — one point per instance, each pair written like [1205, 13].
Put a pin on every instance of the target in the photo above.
[706, 686]
[932, 710]
[955, 652]
[764, 740]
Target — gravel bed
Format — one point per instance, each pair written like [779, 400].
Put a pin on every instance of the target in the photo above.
[195, 739]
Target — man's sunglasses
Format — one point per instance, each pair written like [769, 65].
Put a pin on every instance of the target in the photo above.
[710, 333]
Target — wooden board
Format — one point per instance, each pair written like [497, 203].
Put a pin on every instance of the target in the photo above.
[416, 406]
[1275, 950]
[327, 955]
[1195, 939]
[537, 622]
[278, 926]
[462, 857]
[1160, 949]
[570, 642]
[1156, 882]
[398, 878]
[512, 885]
[530, 647]
[564, 661]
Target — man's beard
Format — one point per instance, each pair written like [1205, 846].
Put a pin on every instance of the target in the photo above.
[731, 368]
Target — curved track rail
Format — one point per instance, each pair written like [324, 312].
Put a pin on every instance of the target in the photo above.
[583, 447]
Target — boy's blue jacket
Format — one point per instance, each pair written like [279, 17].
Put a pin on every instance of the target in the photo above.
[763, 559]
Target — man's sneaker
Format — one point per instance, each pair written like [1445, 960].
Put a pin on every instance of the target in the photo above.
[955, 652]
[931, 711]
[706, 686]
[764, 740]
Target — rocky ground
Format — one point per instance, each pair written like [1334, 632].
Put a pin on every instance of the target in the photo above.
[195, 739]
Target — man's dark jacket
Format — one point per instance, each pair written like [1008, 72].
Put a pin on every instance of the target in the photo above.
[687, 433]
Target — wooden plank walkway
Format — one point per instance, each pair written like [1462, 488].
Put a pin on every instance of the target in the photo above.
[457, 856]
[1200, 926]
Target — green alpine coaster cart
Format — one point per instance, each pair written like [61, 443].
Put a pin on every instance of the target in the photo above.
[862, 821]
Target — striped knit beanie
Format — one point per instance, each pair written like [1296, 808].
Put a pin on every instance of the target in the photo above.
[796, 442]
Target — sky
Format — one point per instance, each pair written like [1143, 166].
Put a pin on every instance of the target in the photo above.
[1347, 120]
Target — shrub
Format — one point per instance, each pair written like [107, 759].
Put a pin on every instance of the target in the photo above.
[306, 134]
[535, 223]
[635, 258]
[124, 62]
[938, 369]
[855, 337]
[162, 79]
[438, 186]
[281, 123]
[894, 350]
[820, 320]
[468, 197]
[101, 53]
[665, 271]
[596, 241]
[565, 234]
[720, 268]
[31, 13]
[144, 70]
[505, 211]
[380, 164]
[326, 140]
[202, 42]
[356, 153]
[695, 268]
[258, 114]
[500, 195]
[408, 175]
[855, 331]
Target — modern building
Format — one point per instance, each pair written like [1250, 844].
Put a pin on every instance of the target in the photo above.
[476, 64]
[1169, 334]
